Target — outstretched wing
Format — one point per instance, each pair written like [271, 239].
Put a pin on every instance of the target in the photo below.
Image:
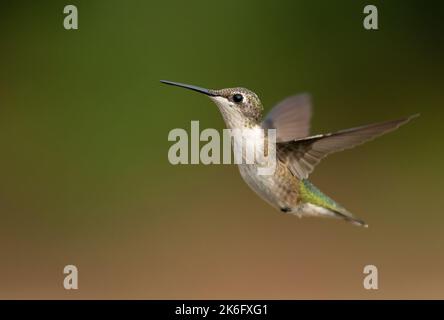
[303, 155]
[290, 117]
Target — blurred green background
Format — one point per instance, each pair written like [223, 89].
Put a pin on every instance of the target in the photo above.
[85, 177]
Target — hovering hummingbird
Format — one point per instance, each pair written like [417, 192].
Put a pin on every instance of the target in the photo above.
[297, 153]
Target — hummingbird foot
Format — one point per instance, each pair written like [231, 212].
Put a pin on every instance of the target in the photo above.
[292, 211]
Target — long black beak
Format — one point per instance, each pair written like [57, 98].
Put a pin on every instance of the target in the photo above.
[208, 92]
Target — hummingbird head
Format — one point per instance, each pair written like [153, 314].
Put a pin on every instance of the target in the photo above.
[240, 107]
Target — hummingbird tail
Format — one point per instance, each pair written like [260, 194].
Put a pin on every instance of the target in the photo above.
[316, 203]
[350, 218]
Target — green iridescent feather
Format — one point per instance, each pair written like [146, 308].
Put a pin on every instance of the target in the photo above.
[309, 193]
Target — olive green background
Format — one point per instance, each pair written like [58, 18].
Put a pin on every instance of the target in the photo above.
[85, 177]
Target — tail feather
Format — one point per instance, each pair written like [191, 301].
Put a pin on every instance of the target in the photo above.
[350, 218]
[317, 203]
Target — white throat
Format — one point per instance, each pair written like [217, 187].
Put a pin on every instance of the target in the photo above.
[233, 118]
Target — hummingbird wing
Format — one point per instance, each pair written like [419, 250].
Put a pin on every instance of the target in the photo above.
[290, 117]
[301, 156]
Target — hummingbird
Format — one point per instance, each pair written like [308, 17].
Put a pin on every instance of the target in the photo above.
[297, 152]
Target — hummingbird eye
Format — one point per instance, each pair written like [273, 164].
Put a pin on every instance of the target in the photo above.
[238, 97]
